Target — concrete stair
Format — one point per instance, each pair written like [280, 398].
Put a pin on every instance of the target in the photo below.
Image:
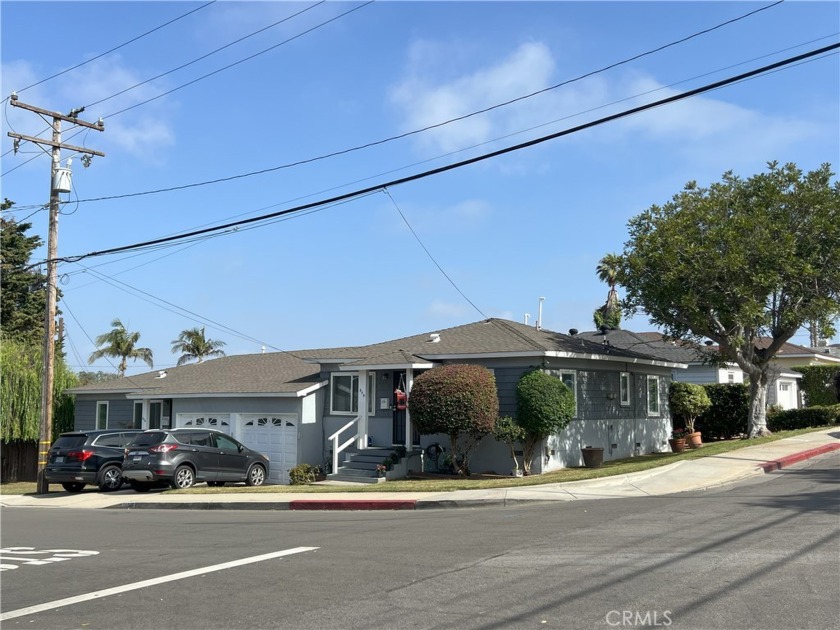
[360, 467]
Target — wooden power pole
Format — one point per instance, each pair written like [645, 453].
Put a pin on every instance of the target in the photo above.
[48, 376]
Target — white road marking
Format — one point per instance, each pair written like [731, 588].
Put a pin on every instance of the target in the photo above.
[67, 601]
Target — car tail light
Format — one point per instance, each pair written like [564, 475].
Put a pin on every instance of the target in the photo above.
[81, 456]
[163, 448]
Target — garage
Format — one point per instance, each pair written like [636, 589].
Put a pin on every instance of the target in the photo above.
[276, 437]
[219, 421]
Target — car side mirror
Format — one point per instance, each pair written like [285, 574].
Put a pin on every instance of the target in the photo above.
[241, 448]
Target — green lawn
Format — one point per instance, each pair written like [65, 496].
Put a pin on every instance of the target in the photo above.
[611, 468]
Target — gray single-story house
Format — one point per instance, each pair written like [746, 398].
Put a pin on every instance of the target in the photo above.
[318, 405]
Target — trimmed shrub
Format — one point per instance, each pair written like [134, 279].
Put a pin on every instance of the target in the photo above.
[729, 413]
[459, 400]
[820, 384]
[688, 401]
[301, 475]
[545, 405]
[817, 416]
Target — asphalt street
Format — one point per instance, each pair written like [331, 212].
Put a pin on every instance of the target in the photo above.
[761, 553]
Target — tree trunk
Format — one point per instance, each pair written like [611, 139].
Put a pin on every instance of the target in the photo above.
[758, 405]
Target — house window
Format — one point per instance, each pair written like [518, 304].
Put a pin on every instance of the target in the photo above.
[624, 389]
[138, 416]
[653, 395]
[731, 376]
[344, 394]
[569, 379]
[102, 414]
[784, 387]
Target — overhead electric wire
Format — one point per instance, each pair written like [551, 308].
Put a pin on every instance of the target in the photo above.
[429, 254]
[486, 156]
[108, 52]
[236, 63]
[212, 52]
[407, 134]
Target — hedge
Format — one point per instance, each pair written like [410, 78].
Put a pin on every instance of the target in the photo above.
[816, 416]
[820, 384]
[729, 414]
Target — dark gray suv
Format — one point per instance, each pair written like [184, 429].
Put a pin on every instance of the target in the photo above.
[182, 457]
[80, 458]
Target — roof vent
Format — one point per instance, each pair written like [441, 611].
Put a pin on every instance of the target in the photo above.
[161, 374]
[434, 338]
[573, 331]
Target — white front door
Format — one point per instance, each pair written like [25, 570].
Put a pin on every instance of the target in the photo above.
[786, 397]
[276, 437]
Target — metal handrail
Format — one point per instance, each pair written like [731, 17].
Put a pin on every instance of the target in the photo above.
[339, 448]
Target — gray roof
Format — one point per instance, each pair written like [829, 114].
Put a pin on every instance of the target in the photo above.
[287, 373]
[653, 344]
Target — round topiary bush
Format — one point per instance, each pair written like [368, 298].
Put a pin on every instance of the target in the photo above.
[459, 400]
[688, 401]
[545, 405]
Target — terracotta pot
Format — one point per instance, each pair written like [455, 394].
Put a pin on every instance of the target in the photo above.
[677, 445]
[695, 440]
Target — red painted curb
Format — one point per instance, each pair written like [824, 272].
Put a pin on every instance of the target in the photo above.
[778, 464]
[360, 504]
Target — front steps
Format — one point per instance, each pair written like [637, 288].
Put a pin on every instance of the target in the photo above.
[360, 467]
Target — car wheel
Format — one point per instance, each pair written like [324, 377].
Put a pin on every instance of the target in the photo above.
[256, 475]
[138, 486]
[183, 478]
[110, 478]
[73, 487]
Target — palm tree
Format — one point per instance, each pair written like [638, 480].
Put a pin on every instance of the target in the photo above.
[194, 345]
[610, 313]
[121, 343]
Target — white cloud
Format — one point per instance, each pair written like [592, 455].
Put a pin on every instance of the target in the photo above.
[426, 100]
[446, 310]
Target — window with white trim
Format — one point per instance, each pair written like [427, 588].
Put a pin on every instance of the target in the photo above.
[344, 394]
[137, 422]
[101, 414]
[653, 395]
[624, 389]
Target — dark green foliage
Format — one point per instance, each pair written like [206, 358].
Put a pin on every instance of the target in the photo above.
[688, 401]
[818, 416]
[544, 406]
[459, 400]
[302, 474]
[820, 384]
[507, 431]
[609, 317]
[728, 415]
[24, 290]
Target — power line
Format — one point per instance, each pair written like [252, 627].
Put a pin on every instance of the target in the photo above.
[486, 156]
[407, 134]
[432, 258]
[108, 52]
[212, 52]
[236, 63]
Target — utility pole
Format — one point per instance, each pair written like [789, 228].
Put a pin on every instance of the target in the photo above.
[48, 376]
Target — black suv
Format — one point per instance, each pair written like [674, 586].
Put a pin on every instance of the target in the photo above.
[182, 457]
[79, 458]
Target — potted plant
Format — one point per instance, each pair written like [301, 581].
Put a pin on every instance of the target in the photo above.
[380, 470]
[677, 440]
[593, 456]
[688, 401]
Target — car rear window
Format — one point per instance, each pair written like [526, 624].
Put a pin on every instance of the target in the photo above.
[114, 439]
[70, 441]
[149, 439]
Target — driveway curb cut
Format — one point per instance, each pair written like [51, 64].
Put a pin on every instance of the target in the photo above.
[202, 506]
[351, 504]
[782, 462]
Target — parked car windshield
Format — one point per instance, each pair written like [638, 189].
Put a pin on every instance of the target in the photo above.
[70, 441]
[148, 439]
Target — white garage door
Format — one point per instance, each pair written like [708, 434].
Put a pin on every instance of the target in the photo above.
[218, 421]
[276, 437]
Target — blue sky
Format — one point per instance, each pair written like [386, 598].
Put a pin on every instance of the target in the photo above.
[506, 231]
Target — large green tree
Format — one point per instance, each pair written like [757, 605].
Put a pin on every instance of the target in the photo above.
[194, 346]
[23, 288]
[741, 260]
[121, 344]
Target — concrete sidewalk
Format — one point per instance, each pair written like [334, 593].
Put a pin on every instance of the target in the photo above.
[680, 476]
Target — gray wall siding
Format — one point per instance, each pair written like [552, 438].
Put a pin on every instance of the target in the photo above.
[120, 412]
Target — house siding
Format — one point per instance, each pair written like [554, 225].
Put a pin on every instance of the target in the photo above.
[120, 412]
